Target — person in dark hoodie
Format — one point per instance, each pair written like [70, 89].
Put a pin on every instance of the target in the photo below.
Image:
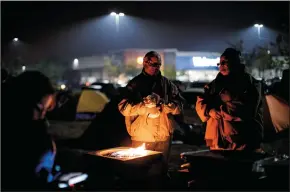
[231, 107]
[27, 150]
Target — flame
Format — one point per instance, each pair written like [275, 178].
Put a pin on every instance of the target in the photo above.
[132, 152]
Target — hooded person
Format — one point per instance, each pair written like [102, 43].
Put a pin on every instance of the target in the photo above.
[231, 107]
[149, 105]
[28, 152]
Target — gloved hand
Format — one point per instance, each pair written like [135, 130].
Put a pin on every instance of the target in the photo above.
[155, 97]
[151, 100]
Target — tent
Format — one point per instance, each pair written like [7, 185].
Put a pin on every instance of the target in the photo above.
[90, 102]
[276, 124]
[276, 114]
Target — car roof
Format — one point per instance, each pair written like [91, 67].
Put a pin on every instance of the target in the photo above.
[195, 90]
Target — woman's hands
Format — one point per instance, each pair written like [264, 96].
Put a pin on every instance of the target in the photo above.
[215, 114]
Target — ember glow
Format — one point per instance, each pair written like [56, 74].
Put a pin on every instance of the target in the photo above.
[132, 152]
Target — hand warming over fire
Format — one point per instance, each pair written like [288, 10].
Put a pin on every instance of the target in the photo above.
[150, 102]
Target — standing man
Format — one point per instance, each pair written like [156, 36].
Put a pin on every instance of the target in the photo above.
[149, 106]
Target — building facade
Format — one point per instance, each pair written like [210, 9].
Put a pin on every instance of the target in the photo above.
[181, 65]
[91, 68]
[134, 58]
[196, 66]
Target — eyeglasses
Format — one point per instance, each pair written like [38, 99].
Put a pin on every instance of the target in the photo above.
[222, 63]
[153, 64]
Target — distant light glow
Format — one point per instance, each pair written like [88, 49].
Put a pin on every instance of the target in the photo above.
[258, 25]
[205, 62]
[75, 63]
[268, 51]
[117, 14]
[91, 79]
[62, 185]
[77, 179]
[15, 39]
[140, 60]
[23, 68]
[96, 86]
[62, 86]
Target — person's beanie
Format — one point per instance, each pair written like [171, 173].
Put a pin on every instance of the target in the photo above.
[232, 55]
[151, 54]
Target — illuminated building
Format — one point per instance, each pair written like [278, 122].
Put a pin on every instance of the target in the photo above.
[196, 66]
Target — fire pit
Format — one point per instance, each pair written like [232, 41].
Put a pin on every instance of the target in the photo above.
[128, 155]
[125, 162]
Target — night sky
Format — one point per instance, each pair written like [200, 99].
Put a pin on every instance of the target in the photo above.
[183, 25]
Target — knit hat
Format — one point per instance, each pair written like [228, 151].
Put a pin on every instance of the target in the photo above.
[232, 55]
[151, 54]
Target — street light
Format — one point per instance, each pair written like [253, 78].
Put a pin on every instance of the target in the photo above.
[117, 19]
[15, 39]
[75, 63]
[259, 26]
[23, 68]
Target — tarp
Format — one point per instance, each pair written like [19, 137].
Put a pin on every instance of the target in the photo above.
[91, 101]
[276, 116]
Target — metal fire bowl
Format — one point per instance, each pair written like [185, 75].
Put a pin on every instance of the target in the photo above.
[129, 166]
[149, 156]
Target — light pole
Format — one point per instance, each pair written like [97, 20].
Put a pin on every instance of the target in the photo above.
[16, 51]
[259, 26]
[117, 19]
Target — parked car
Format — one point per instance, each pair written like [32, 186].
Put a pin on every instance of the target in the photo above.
[109, 89]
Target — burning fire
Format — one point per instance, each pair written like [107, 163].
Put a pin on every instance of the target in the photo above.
[132, 152]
